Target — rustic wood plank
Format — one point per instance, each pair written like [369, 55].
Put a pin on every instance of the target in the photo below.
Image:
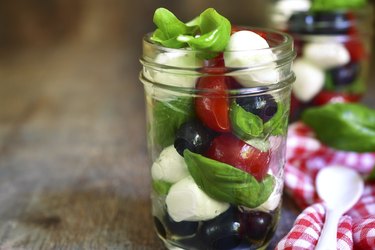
[73, 161]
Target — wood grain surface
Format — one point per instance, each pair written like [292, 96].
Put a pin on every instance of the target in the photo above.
[74, 172]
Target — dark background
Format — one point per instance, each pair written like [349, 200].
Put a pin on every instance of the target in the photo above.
[97, 24]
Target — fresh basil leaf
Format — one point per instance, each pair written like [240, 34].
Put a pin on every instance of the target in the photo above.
[169, 28]
[168, 23]
[161, 187]
[168, 117]
[356, 87]
[267, 186]
[246, 125]
[344, 126]
[226, 183]
[210, 32]
[214, 32]
[322, 5]
[159, 37]
[328, 82]
[371, 176]
[277, 125]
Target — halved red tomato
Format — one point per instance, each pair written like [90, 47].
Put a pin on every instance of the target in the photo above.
[228, 149]
[356, 50]
[212, 105]
[325, 97]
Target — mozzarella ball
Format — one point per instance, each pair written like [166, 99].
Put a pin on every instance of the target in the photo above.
[247, 49]
[326, 55]
[172, 77]
[246, 40]
[169, 166]
[187, 202]
[309, 80]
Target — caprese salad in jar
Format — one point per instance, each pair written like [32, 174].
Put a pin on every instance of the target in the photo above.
[218, 147]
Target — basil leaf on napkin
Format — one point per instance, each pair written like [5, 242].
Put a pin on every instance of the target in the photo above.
[246, 125]
[344, 126]
[168, 117]
[226, 183]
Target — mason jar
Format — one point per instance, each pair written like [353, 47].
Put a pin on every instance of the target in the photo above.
[333, 56]
[216, 136]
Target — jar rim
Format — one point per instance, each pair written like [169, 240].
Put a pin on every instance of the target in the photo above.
[280, 44]
[244, 91]
[287, 41]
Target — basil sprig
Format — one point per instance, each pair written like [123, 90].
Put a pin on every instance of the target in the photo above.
[344, 126]
[169, 28]
[247, 125]
[226, 183]
[209, 32]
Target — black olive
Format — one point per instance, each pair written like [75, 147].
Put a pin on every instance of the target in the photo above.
[183, 228]
[345, 75]
[256, 225]
[320, 22]
[193, 135]
[263, 106]
[223, 232]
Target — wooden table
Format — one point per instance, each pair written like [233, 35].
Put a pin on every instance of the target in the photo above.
[73, 167]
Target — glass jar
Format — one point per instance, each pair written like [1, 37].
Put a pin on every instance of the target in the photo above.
[216, 138]
[333, 52]
[279, 12]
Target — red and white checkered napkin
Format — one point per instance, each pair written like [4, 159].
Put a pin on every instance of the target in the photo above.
[305, 157]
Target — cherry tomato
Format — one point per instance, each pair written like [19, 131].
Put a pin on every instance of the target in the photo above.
[298, 46]
[351, 19]
[229, 149]
[214, 65]
[356, 50]
[235, 29]
[325, 97]
[212, 106]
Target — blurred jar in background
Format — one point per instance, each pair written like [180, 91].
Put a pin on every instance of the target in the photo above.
[281, 10]
[333, 44]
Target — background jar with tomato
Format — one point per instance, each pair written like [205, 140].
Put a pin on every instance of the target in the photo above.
[333, 53]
